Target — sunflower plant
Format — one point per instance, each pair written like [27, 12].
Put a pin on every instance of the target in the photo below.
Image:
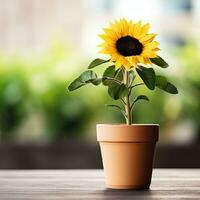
[132, 52]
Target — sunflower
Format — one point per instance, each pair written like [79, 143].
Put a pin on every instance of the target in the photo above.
[129, 43]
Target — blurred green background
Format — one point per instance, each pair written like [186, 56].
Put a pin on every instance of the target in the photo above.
[44, 45]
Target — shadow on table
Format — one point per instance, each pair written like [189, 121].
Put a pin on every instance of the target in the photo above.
[124, 194]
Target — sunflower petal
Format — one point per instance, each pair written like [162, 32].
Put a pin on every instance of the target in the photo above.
[137, 29]
[147, 61]
[141, 59]
[156, 49]
[125, 27]
[148, 38]
[152, 45]
[106, 38]
[145, 29]
[117, 65]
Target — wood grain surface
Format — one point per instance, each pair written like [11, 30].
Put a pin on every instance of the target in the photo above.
[89, 184]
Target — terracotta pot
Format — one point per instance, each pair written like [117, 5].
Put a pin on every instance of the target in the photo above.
[127, 153]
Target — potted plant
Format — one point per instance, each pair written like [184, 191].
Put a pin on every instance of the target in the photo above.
[127, 149]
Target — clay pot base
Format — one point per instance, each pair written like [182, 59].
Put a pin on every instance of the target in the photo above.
[127, 187]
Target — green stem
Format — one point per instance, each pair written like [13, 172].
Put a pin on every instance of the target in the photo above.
[127, 100]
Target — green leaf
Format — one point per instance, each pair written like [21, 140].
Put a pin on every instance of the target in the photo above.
[85, 78]
[132, 76]
[119, 74]
[117, 91]
[75, 85]
[141, 97]
[114, 106]
[109, 72]
[170, 88]
[159, 62]
[161, 80]
[96, 81]
[148, 76]
[96, 62]
[110, 75]
[163, 84]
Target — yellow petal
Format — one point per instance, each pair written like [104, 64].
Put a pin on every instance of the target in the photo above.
[131, 28]
[152, 45]
[147, 61]
[125, 27]
[147, 38]
[110, 33]
[156, 49]
[117, 65]
[114, 57]
[134, 60]
[149, 54]
[141, 59]
[145, 29]
[137, 29]
[126, 64]
[107, 38]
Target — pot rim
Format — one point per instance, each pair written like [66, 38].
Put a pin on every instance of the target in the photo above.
[126, 125]
[127, 133]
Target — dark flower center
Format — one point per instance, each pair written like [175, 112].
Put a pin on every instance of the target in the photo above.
[129, 46]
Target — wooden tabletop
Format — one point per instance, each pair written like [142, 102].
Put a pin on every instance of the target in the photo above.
[89, 184]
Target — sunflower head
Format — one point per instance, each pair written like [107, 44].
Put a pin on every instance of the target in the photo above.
[129, 43]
